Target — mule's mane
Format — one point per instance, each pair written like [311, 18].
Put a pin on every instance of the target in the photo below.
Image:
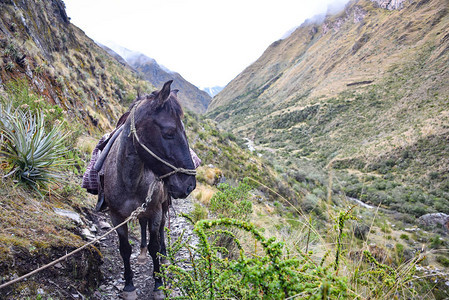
[172, 104]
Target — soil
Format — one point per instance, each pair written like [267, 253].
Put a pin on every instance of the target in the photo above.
[112, 268]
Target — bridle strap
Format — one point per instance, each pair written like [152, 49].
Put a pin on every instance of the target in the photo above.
[133, 131]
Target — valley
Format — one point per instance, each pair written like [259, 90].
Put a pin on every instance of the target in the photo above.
[325, 163]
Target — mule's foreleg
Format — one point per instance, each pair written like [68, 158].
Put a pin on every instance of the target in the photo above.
[142, 258]
[163, 249]
[154, 246]
[125, 251]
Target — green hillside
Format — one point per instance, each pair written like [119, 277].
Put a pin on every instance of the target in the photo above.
[365, 92]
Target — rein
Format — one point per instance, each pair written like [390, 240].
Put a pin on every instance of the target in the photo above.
[133, 131]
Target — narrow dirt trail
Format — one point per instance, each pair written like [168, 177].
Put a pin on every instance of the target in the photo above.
[112, 267]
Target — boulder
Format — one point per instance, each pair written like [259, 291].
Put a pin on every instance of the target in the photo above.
[431, 220]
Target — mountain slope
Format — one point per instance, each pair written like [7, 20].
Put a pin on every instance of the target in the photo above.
[40, 47]
[191, 97]
[365, 87]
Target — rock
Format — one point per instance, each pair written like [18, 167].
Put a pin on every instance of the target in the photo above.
[413, 229]
[390, 4]
[58, 266]
[87, 234]
[104, 225]
[430, 220]
[70, 214]
[93, 228]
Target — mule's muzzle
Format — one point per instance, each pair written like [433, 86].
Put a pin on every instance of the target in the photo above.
[180, 187]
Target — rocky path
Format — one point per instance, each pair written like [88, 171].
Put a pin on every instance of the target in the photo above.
[112, 268]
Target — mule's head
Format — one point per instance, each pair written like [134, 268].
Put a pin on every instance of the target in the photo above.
[159, 127]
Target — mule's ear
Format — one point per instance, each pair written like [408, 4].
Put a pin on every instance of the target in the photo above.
[164, 93]
[175, 92]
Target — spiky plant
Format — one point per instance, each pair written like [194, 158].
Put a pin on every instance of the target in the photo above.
[33, 156]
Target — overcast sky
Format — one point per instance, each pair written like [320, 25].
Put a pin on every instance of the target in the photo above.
[208, 42]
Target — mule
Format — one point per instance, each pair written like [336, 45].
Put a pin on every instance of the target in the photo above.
[148, 163]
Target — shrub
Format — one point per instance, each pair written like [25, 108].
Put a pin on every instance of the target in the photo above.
[399, 251]
[231, 201]
[404, 237]
[436, 242]
[271, 275]
[198, 213]
[275, 272]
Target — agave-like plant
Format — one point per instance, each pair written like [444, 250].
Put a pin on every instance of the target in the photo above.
[34, 156]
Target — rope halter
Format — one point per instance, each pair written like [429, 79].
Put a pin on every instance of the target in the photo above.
[133, 131]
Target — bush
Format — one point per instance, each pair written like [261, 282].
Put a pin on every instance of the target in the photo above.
[271, 275]
[275, 272]
[198, 213]
[404, 237]
[436, 242]
[231, 201]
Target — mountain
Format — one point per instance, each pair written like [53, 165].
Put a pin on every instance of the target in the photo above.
[212, 91]
[190, 96]
[364, 91]
[43, 50]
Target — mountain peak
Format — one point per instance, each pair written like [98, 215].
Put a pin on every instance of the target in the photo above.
[191, 97]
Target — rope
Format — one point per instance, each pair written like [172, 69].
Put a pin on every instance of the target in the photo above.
[133, 131]
[133, 216]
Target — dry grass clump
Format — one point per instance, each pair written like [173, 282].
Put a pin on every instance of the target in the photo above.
[203, 193]
[86, 144]
[209, 175]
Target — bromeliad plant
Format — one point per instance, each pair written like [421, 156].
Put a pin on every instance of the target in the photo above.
[31, 155]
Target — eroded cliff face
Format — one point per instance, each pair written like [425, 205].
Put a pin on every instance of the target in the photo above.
[390, 4]
[356, 15]
[42, 49]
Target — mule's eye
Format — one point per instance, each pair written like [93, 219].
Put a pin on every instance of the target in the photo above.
[169, 134]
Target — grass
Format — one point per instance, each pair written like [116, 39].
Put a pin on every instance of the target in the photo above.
[32, 234]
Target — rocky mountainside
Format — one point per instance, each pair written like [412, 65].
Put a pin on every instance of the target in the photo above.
[191, 97]
[42, 49]
[365, 90]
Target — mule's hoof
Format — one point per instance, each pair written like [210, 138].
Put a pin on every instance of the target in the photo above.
[158, 295]
[164, 261]
[129, 295]
[142, 259]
